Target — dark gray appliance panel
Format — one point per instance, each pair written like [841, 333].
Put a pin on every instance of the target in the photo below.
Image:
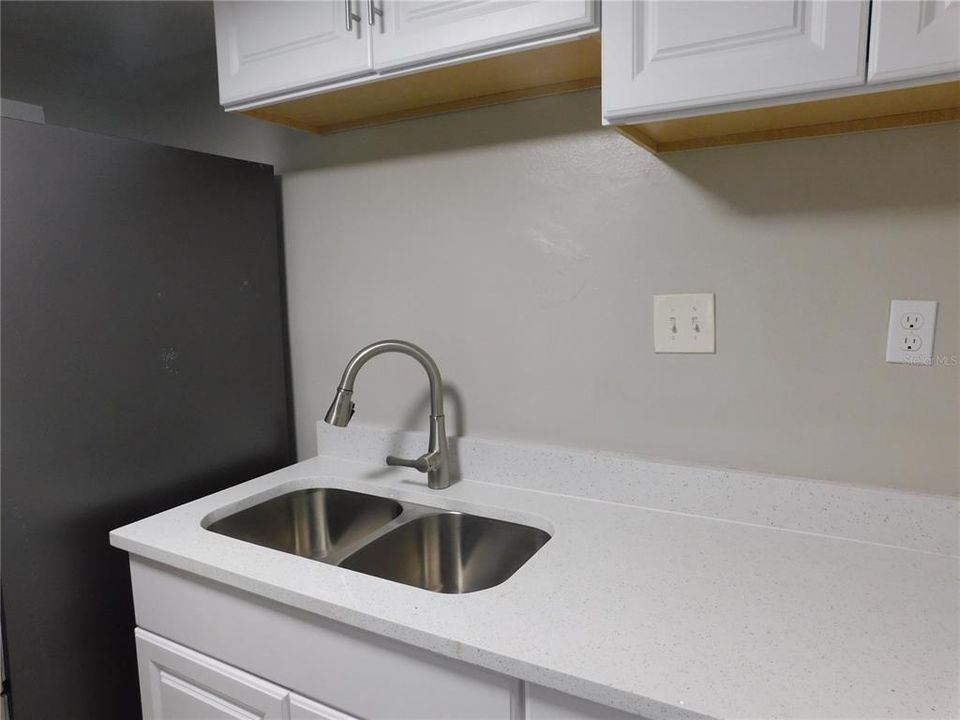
[143, 365]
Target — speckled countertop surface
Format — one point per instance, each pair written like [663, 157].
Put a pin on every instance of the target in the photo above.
[670, 612]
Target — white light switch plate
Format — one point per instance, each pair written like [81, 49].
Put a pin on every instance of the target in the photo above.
[684, 323]
[910, 332]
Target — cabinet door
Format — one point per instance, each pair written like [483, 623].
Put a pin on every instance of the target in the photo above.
[302, 708]
[664, 58]
[913, 39]
[177, 683]
[268, 48]
[410, 32]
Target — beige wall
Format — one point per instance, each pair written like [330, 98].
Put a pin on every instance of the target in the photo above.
[547, 236]
[522, 245]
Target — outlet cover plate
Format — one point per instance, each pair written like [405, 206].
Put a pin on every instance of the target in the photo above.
[684, 323]
[911, 322]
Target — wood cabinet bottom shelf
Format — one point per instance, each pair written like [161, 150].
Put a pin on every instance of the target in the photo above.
[927, 104]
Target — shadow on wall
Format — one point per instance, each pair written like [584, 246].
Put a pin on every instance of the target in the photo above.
[875, 170]
[498, 125]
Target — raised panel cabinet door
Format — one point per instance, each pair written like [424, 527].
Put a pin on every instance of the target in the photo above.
[270, 48]
[177, 683]
[302, 708]
[669, 58]
[913, 39]
[411, 32]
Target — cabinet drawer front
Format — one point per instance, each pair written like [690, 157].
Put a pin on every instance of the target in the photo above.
[266, 48]
[177, 683]
[413, 32]
[913, 39]
[672, 57]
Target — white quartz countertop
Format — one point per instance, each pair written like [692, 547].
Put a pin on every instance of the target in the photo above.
[665, 612]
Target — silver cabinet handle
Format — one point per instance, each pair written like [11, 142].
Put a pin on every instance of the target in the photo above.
[372, 12]
[351, 15]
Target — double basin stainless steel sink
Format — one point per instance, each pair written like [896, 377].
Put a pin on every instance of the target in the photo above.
[426, 547]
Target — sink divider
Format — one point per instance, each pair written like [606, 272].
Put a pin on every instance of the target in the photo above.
[409, 513]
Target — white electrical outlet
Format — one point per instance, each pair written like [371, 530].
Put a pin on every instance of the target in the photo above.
[684, 323]
[910, 333]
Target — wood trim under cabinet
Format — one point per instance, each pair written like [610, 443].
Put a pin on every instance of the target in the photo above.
[928, 104]
[549, 70]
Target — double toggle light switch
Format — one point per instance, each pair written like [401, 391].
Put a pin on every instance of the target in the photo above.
[684, 323]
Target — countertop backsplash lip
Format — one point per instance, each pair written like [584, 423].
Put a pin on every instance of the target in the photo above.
[896, 518]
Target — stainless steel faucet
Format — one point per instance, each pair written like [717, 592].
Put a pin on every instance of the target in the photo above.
[435, 462]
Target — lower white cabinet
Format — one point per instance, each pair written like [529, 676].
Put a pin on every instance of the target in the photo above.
[177, 683]
[277, 648]
[207, 651]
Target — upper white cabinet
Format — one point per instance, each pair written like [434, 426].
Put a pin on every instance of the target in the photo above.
[912, 39]
[268, 48]
[675, 75]
[409, 32]
[672, 57]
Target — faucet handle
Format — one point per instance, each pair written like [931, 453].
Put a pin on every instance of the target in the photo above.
[424, 463]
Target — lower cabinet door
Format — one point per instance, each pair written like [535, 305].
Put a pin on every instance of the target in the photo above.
[177, 683]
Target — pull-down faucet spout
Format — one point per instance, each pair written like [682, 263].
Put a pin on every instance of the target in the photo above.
[435, 462]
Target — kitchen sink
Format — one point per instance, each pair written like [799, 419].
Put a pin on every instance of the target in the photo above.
[426, 547]
[311, 523]
[449, 552]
